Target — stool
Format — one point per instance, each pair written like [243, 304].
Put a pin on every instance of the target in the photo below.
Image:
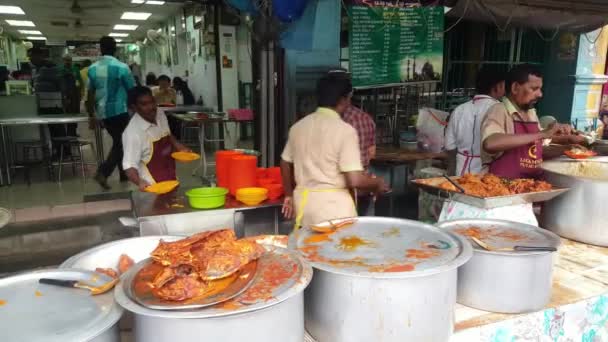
[70, 144]
[29, 155]
[190, 135]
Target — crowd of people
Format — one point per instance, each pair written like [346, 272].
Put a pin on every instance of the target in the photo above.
[112, 95]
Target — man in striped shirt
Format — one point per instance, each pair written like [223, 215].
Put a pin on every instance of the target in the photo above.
[109, 82]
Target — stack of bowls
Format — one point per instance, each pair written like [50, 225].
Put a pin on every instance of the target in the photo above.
[207, 198]
[252, 196]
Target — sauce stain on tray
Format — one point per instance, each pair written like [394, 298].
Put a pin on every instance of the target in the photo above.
[38, 294]
[2, 302]
[421, 254]
[351, 243]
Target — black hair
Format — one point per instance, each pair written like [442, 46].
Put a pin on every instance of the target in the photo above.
[87, 63]
[520, 74]
[107, 45]
[136, 92]
[487, 79]
[151, 79]
[163, 78]
[35, 51]
[178, 82]
[603, 114]
[331, 88]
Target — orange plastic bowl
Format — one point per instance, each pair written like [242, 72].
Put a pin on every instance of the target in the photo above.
[262, 182]
[162, 187]
[275, 191]
[252, 196]
[185, 157]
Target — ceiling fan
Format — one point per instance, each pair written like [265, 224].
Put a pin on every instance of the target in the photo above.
[77, 8]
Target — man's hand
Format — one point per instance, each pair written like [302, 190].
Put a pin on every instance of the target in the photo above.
[577, 139]
[382, 187]
[181, 148]
[550, 131]
[143, 185]
[287, 210]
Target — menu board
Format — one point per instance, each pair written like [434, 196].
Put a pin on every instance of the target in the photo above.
[395, 44]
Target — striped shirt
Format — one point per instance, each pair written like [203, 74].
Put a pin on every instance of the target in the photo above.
[110, 79]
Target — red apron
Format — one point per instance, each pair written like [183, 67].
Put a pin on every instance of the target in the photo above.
[161, 165]
[524, 161]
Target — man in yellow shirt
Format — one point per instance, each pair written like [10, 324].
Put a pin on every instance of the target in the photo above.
[164, 94]
[84, 77]
[321, 161]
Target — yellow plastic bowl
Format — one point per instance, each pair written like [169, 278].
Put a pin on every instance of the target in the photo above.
[162, 187]
[252, 196]
[185, 157]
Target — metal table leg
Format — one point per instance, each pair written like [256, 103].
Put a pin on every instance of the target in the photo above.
[7, 167]
[391, 209]
[2, 153]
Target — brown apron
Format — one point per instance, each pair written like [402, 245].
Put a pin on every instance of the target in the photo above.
[161, 165]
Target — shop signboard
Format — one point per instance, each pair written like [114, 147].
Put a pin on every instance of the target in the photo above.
[394, 42]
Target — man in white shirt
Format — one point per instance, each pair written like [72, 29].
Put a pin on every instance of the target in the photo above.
[148, 142]
[463, 134]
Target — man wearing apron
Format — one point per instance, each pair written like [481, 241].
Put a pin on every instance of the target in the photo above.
[512, 143]
[462, 136]
[148, 142]
[321, 161]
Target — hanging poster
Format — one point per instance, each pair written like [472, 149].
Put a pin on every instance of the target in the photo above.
[394, 43]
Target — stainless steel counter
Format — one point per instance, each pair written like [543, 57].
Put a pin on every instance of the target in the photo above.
[171, 214]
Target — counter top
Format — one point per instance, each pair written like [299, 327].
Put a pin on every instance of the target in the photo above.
[184, 109]
[44, 119]
[399, 155]
[148, 205]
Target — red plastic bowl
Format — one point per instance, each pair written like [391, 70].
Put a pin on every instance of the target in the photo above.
[265, 181]
[275, 191]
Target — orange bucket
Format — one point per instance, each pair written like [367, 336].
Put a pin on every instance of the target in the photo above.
[222, 167]
[242, 172]
[274, 173]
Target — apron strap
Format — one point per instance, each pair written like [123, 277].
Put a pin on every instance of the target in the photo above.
[304, 201]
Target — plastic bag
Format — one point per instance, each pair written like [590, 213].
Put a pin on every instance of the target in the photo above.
[430, 129]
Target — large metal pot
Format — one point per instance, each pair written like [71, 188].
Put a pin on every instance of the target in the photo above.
[506, 282]
[378, 291]
[580, 213]
[280, 318]
[106, 256]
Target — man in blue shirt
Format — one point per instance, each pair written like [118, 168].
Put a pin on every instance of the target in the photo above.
[109, 82]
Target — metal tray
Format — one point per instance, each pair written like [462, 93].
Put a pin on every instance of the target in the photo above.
[431, 185]
[242, 282]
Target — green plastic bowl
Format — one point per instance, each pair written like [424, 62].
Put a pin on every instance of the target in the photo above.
[207, 198]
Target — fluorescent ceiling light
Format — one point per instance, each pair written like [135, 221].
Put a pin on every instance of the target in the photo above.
[121, 27]
[135, 16]
[23, 23]
[35, 38]
[118, 40]
[138, 1]
[155, 2]
[29, 32]
[11, 10]
[118, 34]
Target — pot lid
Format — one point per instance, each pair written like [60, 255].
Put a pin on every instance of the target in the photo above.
[30, 311]
[500, 234]
[280, 275]
[381, 247]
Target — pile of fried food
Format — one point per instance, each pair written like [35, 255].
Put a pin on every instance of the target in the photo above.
[124, 263]
[190, 266]
[490, 185]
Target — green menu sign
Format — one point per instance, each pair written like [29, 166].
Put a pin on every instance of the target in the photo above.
[395, 44]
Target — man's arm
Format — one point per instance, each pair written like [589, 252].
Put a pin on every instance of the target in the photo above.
[133, 176]
[360, 181]
[500, 142]
[289, 184]
[177, 146]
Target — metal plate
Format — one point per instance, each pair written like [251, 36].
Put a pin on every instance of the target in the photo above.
[279, 291]
[503, 234]
[38, 312]
[5, 217]
[382, 247]
[107, 255]
[244, 278]
[431, 185]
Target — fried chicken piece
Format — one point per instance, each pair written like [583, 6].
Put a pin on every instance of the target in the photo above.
[178, 252]
[226, 259]
[107, 271]
[125, 263]
[181, 288]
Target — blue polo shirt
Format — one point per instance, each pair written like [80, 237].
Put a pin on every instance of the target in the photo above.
[111, 80]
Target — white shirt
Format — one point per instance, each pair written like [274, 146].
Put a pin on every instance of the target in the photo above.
[464, 133]
[138, 139]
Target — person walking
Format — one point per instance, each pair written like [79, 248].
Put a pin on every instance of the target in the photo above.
[109, 82]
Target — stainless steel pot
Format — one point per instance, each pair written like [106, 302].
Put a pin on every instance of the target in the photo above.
[506, 282]
[376, 292]
[279, 319]
[580, 213]
[106, 256]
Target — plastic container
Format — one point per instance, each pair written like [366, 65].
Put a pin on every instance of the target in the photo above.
[275, 173]
[262, 172]
[242, 172]
[207, 198]
[275, 191]
[252, 196]
[185, 157]
[222, 167]
[262, 182]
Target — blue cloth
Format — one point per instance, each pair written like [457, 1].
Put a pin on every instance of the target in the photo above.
[111, 80]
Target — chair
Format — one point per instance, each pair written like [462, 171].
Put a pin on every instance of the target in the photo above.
[29, 157]
[73, 144]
